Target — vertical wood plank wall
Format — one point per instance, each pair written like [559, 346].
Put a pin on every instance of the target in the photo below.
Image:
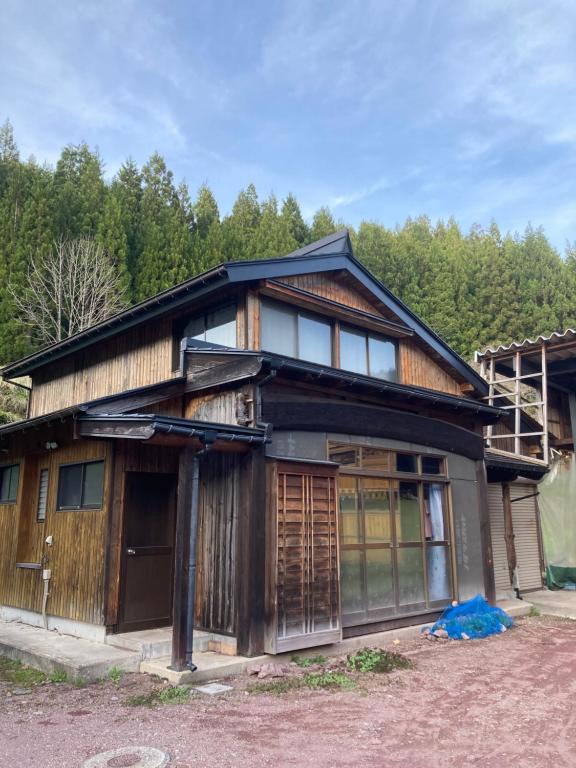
[133, 359]
[417, 368]
[77, 556]
[220, 487]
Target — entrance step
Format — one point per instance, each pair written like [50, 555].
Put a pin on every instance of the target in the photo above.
[157, 643]
[50, 652]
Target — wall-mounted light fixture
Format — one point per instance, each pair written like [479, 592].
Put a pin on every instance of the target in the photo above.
[50, 446]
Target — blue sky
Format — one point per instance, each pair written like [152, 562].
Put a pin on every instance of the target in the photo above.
[380, 110]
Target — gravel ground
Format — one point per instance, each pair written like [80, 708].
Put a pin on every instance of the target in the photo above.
[504, 701]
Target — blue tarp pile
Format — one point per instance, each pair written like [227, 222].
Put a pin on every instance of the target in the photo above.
[470, 620]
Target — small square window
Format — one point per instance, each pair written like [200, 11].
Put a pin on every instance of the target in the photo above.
[9, 476]
[81, 486]
[406, 462]
[432, 465]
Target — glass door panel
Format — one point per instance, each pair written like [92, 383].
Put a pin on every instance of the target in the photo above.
[410, 576]
[379, 579]
[352, 581]
[438, 573]
[376, 507]
[408, 524]
[350, 529]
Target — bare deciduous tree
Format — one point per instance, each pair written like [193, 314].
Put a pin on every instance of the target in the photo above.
[67, 290]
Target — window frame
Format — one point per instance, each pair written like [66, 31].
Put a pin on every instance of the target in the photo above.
[79, 508]
[180, 323]
[5, 468]
[367, 334]
[294, 312]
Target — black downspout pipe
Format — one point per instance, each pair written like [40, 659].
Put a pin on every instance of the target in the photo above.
[193, 538]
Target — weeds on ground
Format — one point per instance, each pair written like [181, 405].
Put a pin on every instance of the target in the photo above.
[179, 694]
[534, 612]
[58, 677]
[115, 675]
[329, 679]
[308, 661]
[377, 660]
[15, 672]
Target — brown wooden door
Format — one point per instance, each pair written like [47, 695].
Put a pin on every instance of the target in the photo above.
[148, 552]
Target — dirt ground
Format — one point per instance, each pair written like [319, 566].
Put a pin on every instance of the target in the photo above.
[504, 701]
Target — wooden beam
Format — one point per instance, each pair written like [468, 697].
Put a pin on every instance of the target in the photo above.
[509, 532]
[182, 603]
[485, 535]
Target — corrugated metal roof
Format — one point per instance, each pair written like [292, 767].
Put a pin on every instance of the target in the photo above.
[568, 335]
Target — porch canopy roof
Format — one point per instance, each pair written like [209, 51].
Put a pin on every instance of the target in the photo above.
[504, 468]
[149, 427]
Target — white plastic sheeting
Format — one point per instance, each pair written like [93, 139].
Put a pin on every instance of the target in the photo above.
[557, 503]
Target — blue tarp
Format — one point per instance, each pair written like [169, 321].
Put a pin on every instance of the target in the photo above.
[473, 619]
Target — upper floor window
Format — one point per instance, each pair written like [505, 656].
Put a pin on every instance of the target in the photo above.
[215, 327]
[9, 476]
[81, 486]
[291, 332]
[367, 353]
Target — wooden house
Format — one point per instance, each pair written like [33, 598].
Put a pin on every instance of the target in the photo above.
[277, 451]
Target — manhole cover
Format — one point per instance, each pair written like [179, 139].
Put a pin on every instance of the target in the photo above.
[129, 757]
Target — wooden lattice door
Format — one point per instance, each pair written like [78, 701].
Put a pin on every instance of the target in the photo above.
[303, 573]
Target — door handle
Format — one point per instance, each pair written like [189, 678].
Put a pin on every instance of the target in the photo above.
[130, 551]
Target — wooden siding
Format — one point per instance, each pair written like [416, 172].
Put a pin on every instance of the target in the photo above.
[220, 488]
[229, 407]
[133, 359]
[77, 557]
[303, 584]
[335, 290]
[417, 368]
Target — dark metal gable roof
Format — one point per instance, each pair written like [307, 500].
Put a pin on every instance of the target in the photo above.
[332, 253]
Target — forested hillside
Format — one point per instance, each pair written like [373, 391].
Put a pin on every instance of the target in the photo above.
[473, 287]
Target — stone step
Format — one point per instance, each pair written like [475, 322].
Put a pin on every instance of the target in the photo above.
[51, 652]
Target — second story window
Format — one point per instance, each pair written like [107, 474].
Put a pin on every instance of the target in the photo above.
[367, 353]
[215, 327]
[288, 331]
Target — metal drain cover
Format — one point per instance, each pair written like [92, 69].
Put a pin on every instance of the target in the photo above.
[129, 757]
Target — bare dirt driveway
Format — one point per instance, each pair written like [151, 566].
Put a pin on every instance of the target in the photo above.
[505, 701]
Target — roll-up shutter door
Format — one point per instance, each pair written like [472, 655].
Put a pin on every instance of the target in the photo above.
[500, 558]
[303, 580]
[526, 536]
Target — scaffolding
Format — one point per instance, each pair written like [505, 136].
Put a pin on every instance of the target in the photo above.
[512, 387]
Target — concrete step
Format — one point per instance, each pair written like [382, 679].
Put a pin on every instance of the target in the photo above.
[515, 607]
[50, 652]
[210, 666]
[157, 643]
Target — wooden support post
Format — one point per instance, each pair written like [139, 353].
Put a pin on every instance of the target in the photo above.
[509, 531]
[517, 403]
[544, 398]
[251, 556]
[485, 535]
[183, 603]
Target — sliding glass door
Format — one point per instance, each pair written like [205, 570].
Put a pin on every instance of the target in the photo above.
[394, 534]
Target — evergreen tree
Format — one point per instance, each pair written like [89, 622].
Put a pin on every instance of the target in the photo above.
[239, 228]
[322, 224]
[207, 240]
[292, 217]
[273, 236]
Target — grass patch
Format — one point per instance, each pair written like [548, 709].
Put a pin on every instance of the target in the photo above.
[314, 680]
[534, 612]
[15, 672]
[328, 680]
[115, 675]
[276, 687]
[308, 661]
[377, 660]
[58, 677]
[178, 694]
